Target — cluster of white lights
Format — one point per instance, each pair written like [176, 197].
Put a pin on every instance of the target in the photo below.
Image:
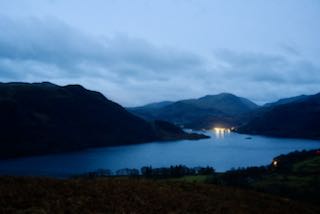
[221, 130]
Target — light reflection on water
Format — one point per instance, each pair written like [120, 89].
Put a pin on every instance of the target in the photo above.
[222, 151]
[221, 132]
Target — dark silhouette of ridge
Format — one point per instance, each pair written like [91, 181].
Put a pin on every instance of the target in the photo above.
[298, 117]
[222, 109]
[42, 118]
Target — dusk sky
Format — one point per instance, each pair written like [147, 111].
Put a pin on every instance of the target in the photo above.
[141, 51]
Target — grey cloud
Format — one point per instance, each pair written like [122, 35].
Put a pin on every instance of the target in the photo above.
[50, 50]
[266, 77]
[133, 71]
[141, 53]
[290, 49]
[272, 68]
[46, 41]
[51, 42]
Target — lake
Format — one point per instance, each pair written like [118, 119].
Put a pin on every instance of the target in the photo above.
[222, 151]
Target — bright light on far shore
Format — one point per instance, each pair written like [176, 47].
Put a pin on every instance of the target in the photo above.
[221, 130]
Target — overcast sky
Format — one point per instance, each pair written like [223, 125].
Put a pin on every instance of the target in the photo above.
[141, 51]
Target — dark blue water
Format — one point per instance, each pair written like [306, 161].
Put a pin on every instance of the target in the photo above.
[222, 152]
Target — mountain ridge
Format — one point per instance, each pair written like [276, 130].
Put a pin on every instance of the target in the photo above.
[287, 100]
[299, 118]
[223, 107]
[40, 118]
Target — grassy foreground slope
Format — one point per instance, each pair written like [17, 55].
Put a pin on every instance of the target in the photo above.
[297, 176]
[122, 195]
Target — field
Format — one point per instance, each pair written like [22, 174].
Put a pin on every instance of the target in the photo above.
[135, 195]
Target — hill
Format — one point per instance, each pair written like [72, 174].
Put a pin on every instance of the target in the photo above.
[208, 111]
[295, 175]
[299, 118]
[287, 100]
[44, 118]
[155, 105]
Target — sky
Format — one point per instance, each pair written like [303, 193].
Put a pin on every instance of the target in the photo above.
[141, 51]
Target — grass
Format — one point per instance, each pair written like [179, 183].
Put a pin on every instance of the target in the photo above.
[310, 166]
[302, 182]
[296, 187]
[116, 195]
[191, 179]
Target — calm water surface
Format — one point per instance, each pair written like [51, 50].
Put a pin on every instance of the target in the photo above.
[222, 151]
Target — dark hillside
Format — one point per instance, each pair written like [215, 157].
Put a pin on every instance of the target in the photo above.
[203, 113]
[45, 118]
[299, 119]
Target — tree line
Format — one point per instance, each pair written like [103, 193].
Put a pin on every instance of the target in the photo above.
[173, 171]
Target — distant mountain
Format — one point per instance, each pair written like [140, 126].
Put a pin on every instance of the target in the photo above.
[287, 100]
[299, 118]
[156, 105]
[44, 118]
[147, 111]
[224, 102]
[222, 109]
